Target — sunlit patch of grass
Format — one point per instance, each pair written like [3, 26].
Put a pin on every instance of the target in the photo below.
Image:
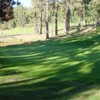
[18, 30]
[27, 30]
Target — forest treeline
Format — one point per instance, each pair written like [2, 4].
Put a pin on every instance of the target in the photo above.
[45, 12]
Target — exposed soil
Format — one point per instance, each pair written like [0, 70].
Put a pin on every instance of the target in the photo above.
[20, 39]
[28, 38]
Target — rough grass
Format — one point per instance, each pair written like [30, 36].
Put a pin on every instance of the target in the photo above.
[59, 69]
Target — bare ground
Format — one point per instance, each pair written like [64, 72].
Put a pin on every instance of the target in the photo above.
[20, 39]
[28, 38]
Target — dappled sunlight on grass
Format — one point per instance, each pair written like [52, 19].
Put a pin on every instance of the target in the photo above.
[60, 69]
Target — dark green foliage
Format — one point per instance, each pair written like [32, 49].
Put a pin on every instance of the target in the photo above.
[13, 24]
[6, 9]
[86, 1]
[27, 20]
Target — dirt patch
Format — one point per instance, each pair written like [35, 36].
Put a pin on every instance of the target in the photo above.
[21, 39]
[28, 38]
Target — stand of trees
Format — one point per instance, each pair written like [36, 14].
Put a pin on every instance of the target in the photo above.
[73, 11]
[43, 12]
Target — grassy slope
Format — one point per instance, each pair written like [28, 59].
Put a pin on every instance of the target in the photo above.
[62, 69]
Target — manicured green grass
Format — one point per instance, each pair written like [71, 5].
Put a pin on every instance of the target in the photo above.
[59, 69]
[28, 29]
[18, 30]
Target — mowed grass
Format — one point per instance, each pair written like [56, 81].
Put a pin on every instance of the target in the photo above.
[28, 29]
[17, 30]
[59, 69]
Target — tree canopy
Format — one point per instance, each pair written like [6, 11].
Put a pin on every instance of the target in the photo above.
[6, 9]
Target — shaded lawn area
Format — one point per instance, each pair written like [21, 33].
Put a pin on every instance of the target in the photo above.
[59, 69]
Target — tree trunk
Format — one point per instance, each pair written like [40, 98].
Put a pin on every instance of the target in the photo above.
[56, 17]
[80, 17]
[67, 22]
[35, 27]
[41, 23]
[46, 20]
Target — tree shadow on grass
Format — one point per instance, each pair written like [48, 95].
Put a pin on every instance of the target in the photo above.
[57, 86]
[9, 72]
[54, 70]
